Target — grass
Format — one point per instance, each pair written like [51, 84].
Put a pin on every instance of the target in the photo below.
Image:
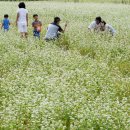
[80, 82]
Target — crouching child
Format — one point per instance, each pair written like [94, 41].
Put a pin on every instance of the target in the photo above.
[54, 30]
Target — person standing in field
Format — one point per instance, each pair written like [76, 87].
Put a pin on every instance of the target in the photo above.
[95, 25]
[37, 25]
[22, 19]
[54, 30]
[108, 28]
[5, 23]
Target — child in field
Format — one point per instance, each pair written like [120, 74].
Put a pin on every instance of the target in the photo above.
[95, 25]
[22, 19]
[108, 28]
[37, 25]
[54, 30]
[5, 23]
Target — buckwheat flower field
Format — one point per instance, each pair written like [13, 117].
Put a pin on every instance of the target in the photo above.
[80, 82]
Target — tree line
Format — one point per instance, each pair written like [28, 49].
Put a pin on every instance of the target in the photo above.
[113, 1]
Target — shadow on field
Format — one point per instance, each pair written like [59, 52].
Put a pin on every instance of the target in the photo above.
[88, 51]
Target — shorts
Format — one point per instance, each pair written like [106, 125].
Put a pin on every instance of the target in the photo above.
[6, 30]
[36, 33]
[53, 38]
[22, 27]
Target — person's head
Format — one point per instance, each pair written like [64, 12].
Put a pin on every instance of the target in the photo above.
[102, 25]
[98, 20]
[6, 16]
[35, 16]
[57, 20]
[22, 5]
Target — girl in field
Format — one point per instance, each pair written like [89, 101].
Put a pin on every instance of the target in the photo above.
[108, 28]
[22, 19]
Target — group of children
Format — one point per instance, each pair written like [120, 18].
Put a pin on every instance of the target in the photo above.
[53, 30]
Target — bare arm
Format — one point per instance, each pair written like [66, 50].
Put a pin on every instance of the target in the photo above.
[27, 18]
[32, 25]
[17, 17]
[41, 24]
[65, 27]
[92, 26]
[2, 25]
[112, 30]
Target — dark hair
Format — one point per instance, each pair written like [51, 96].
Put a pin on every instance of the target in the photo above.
[6, 16]
[98, 19]
[22, 5]
[35, 15]
[56, 19]
[104, 22]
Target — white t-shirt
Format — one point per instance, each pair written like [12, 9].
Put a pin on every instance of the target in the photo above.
[22, 15]
[110, 29]
[52, 31]
[93, 25]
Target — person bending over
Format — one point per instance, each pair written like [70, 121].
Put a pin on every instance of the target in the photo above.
[108, 28]
[95, 25]
[54, 30]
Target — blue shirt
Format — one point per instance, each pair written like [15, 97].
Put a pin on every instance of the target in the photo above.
[6, 23]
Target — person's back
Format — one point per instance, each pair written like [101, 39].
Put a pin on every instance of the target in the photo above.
[92, 25]
[110, 29]
[52, 31]
[95, 24]
[22, 15]
[22, 19]
[5, 23]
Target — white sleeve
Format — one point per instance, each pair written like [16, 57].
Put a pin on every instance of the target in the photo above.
[111, 29]
[26, 11]
[17, 11]
[92, 25]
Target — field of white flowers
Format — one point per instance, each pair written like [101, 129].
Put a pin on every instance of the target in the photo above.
[81, 82]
